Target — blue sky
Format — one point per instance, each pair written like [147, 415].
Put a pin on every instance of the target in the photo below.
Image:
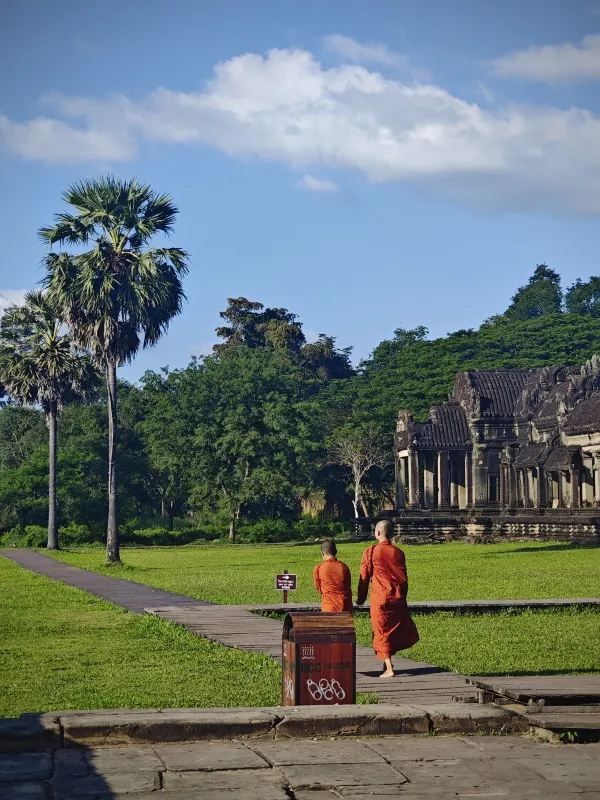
[368, 165]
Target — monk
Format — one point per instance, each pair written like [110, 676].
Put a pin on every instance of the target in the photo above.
[332, 580]
[384, 567]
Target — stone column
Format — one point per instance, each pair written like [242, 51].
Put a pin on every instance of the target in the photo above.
[443, 480]
[525, 482]
[400, 482]
[513, 489]
[540, 501]
[413, 479]
[469, 478]
[429, 468]
[480, 477]
[574, 475]
[454, 486]
[596, 474]
[503, 503]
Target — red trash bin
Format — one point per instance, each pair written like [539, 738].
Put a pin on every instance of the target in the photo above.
[318, 660]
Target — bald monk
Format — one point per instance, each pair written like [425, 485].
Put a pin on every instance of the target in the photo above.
[384, 567]
[332, 580]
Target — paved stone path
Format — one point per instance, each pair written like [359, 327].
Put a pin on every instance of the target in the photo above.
[409, 767]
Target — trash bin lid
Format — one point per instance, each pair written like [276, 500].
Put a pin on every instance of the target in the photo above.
[307, 626]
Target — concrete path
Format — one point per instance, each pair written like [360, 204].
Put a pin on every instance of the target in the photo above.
[409, 767]
[132, 596]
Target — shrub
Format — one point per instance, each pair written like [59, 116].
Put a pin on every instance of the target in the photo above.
[26, 536]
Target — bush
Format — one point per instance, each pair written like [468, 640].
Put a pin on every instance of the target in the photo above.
[26, 536]
[278, 530]
[147, 537]
[75, 534]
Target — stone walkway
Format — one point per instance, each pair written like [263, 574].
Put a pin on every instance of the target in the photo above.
[409, 767]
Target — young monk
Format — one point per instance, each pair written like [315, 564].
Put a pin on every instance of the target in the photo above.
[332, 580]
[384, 567]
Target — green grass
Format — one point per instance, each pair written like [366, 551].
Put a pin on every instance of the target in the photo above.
[565, 641]
[453, 571]
[60, 648]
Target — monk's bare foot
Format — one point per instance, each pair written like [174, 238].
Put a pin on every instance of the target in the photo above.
[388, 673]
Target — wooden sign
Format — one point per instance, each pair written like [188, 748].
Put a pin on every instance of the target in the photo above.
[285, 582]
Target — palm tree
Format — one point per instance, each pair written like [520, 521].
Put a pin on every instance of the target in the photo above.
[120, 294]
[40, 364]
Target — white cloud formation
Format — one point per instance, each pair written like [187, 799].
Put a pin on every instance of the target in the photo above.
[317, 184]
[554, 62]
[286, 106]
[9, 297]
[364, 52]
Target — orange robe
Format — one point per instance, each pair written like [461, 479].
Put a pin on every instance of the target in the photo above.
[332, 580]
[384, 567]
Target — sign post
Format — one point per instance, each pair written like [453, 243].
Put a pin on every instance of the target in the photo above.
[285, 582]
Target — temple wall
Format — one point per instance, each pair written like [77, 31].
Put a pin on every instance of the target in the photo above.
[441, 527]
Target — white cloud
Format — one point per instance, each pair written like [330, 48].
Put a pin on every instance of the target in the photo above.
[317, 184]
[55, 141]
[9, 297]
[555, 62]
[364, 52]
[285, 106]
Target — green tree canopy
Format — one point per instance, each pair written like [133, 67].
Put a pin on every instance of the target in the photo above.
[583, 297]
[540, 296]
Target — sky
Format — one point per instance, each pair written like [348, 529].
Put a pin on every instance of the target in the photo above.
[367, 164]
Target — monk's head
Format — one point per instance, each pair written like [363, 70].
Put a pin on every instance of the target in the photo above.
[384, 530]
[328, 548]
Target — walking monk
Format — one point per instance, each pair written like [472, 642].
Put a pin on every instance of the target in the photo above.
[332, 580]
[384, 567]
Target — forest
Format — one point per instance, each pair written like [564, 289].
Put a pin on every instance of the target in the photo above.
[270, 437]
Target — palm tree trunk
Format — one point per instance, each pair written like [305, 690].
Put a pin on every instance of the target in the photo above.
[112, 532]
[52, 448]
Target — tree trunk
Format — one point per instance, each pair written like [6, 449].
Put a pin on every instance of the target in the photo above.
[357, 499]
[52, 442]
[233, 523]
[171, 516]
[112, 531]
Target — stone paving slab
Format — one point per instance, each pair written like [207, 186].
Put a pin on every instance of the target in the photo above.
[404, 767]
[210, 756]
[333, 751]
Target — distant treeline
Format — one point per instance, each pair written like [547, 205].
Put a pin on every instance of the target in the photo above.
[270, 425]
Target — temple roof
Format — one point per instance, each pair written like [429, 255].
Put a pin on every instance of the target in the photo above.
[530, 456]
[585, 417]
[560, 458]
[446, 427]
[490, 393]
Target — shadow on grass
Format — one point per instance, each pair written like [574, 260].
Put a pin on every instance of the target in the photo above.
[559, 546]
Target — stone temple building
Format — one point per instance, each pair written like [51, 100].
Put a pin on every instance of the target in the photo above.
[513, 451]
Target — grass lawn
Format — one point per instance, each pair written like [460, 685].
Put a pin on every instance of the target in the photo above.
[453, 571]
[561, 641]
[60, 648]
[566, 641]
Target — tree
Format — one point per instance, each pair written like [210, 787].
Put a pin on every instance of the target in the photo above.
[359, 447]
[40, 363]
[22, 431]
[541, 295]
[583, 297]
[253, 438]
[253, 325]
[167, 422]
[120, 294]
